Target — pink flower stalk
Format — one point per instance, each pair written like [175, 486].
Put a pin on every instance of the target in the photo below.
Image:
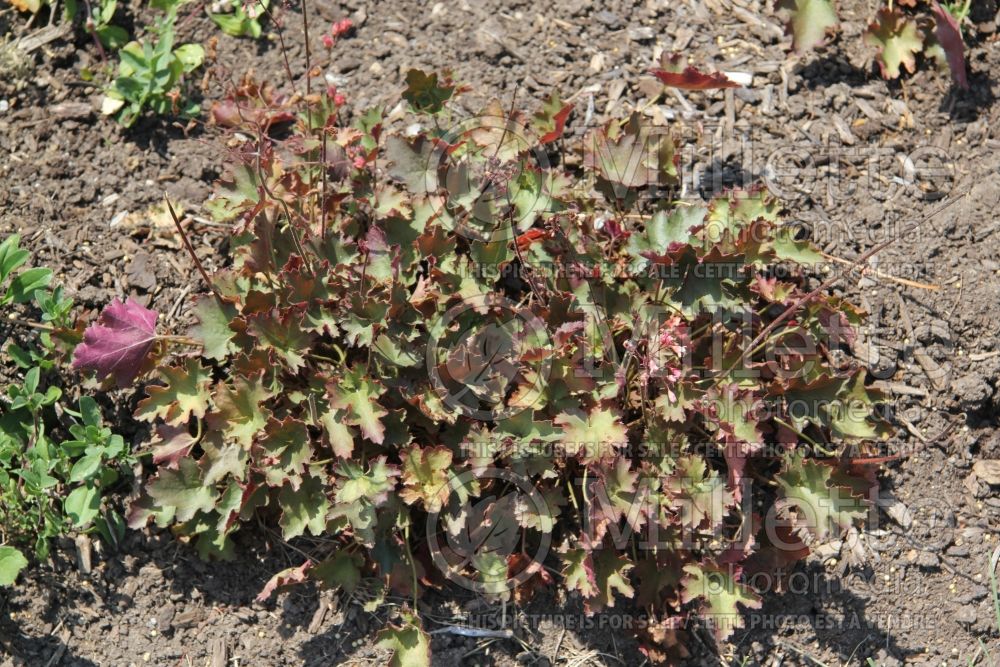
[341, 28]
[665, 355]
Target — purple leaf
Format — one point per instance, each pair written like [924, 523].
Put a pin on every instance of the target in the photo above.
[950, 37]
[117, 344]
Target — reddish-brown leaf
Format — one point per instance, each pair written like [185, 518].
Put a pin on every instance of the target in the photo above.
[119, 342]
[950, 36]
[692, 79]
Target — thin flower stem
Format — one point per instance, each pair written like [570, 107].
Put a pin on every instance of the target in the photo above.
[34, 325]
[187, 244]
[413, 564]
[830, 282]
[305, 32]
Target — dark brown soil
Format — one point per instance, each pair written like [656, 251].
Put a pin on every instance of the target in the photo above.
[82, 191]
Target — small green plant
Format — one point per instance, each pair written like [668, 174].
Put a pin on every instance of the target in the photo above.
[56, 460]
[12, 561]
[243, 20]
[151, 74]
[897, 34]
[99, 24]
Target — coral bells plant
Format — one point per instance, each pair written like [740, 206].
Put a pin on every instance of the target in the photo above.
[475, 351]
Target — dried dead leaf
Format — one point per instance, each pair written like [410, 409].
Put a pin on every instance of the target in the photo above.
[988, 470]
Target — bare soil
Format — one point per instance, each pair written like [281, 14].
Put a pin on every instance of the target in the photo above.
[82, 192]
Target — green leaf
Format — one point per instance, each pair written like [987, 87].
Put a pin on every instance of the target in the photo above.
[340, 571]
[578, 572]
[11, 256]
[413, 162]
[212, 331]
[665, 232]
[303, 507]
[356, 396]
[22, 287]
[700, 492]
[790, 249]
[112, 36]
[810, 22]
[132, 60]
[239, 409]
[11, 564]
[184, 489]
[721, 594]
[897, 39]
[191, 56]
[285, 450]
[187, 393]
[822, 509]
[592, 436]
[221, 459]
[85, 468]
[611, 576]
[426, 477]
[411, 646]
[283, 333]
[83, 504]
[550, 121]
[90, 412]
[842, 404]
[423, 92]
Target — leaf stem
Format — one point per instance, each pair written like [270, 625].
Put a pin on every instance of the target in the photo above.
[180, 340]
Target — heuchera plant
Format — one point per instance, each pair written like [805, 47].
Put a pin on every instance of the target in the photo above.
[899, 32]
[425, 310]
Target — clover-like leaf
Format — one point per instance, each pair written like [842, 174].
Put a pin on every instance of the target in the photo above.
[119, 342]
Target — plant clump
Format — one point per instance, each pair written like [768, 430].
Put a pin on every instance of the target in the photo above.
[488, 351]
